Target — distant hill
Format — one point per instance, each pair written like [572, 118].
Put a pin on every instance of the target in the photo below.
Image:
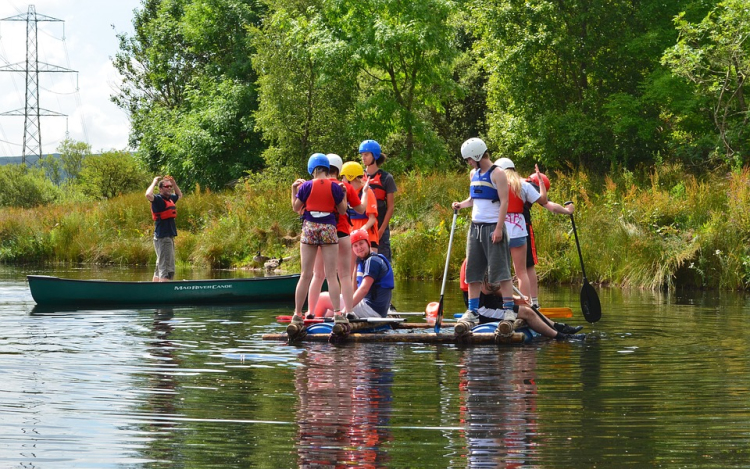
[18, 159]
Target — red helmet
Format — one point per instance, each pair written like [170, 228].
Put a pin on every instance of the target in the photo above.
[359, 235]
[533, 178]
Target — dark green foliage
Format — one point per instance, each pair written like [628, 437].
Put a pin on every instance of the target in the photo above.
[22, 186]
[189, 88]
[110, 174]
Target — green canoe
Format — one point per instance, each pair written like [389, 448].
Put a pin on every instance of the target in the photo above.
[55, 291]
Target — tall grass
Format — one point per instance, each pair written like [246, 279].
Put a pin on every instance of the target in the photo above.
[658, 229]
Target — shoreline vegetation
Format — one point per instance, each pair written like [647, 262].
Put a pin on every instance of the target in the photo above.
[661, 229]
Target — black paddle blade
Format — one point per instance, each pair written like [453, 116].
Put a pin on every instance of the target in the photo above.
[439, 317]
[590, 306]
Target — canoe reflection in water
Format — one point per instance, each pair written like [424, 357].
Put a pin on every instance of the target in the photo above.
[344, 406]
[498, 406]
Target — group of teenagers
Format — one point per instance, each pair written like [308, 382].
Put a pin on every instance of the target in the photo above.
[345, 240]
[501, 234]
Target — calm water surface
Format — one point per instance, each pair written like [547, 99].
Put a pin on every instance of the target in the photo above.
[663, 382]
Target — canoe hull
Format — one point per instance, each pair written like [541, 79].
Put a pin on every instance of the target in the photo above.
[55, 291]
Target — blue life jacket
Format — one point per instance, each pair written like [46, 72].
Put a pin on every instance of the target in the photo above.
[481, 185]
[386, 281]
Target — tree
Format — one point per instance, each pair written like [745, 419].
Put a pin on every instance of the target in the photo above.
[307, 84]
[52, 168]
[405, 51]
[564, 88]
[72, 154]
[110, 174]
[714, 55]
[188, 85]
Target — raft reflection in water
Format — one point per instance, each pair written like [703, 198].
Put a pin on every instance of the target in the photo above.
[344, 407]
[498, 406]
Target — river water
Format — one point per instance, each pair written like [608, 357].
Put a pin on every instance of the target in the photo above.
[663, 381]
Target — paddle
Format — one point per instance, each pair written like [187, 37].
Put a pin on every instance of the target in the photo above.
[439, 317]
[590, 306]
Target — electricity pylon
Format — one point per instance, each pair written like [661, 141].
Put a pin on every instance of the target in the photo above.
[32, 132]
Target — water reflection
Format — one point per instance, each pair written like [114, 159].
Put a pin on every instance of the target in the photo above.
[498, 406]
[345, 405]
[161, 385]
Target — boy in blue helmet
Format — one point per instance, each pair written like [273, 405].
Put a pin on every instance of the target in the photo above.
[384, 188]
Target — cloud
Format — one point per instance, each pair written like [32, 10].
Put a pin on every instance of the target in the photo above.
[89, 43]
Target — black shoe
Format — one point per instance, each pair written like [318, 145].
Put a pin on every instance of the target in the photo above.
[563, 336]
[566, 329]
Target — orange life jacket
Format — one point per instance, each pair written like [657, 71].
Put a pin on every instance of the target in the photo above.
[170, 211]
[321, 197]
[515, 204]
[377, 185]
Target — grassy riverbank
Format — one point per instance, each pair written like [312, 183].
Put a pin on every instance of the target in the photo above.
[656, 230]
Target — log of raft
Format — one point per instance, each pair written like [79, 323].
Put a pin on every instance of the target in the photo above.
[419, 337]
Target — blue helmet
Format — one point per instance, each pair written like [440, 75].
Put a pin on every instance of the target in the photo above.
[317, 159]
[372, 146]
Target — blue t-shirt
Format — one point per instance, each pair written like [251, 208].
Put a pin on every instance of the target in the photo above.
[163, 228]
[379, 296]
[338, 195]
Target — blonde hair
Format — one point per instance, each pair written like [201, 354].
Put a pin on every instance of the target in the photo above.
[514, 181]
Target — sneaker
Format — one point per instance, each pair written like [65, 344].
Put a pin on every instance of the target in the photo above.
[297, 320]
[563, 336]
[470, 316]
[351, 316]
[339, 318]
[310, 316]
[566, 329]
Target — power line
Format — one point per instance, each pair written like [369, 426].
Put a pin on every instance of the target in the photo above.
[32, 136]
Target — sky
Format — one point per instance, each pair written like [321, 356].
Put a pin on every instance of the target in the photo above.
[85, 42]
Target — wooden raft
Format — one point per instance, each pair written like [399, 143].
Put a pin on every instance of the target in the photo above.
[418, 338]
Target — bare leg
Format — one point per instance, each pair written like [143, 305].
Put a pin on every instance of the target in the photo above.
[519, 264]
[535, 322]
[307, 262]
[330, 259]
[533, 281]
[317, 282]
[344, 269]
[324, 303]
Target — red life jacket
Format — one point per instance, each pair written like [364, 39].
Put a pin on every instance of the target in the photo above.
[170, 211]
[377, 185]
[515, 204]
[321, 197]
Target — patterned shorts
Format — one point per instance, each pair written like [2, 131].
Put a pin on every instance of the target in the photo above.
[318, 234]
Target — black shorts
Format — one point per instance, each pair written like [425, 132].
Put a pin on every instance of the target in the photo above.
[531, 259]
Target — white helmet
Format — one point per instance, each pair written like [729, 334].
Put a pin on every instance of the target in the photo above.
[335, 161]
[505, 163]
[473, 148]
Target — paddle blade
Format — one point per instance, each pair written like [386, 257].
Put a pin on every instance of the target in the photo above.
[590, 306]
[439, 317]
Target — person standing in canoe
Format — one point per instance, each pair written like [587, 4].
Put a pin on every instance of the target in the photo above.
[384, 188]
[343, 227]
[540, 182]
[353, 174]
[487, 240]
[321, 202]
[375, 281]
[164, 212]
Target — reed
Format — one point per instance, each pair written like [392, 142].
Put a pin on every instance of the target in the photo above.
[655, 229]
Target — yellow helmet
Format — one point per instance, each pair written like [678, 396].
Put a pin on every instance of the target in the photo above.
[352, 170]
